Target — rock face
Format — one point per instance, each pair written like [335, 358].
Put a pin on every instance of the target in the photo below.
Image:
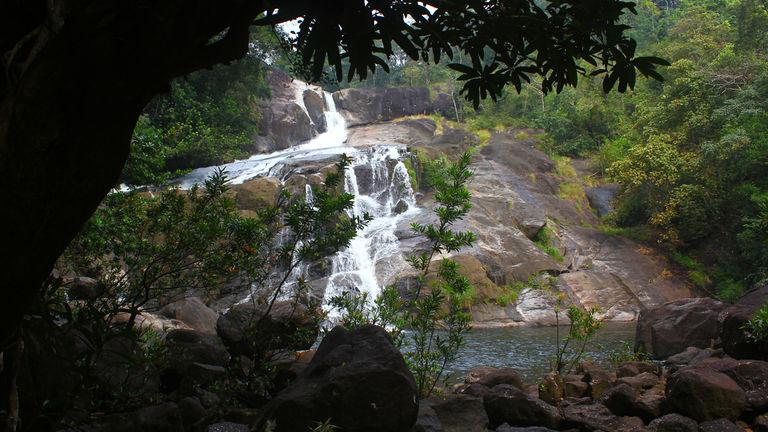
[671, 328]
[460, 413]
[515, 193]
[601, 198]
[284, 120]
[358, 379]
[370, 105]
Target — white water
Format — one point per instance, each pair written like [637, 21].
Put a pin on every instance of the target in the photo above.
[329, 143]
[362, 267]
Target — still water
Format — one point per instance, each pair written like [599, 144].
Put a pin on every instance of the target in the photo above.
[529, 349]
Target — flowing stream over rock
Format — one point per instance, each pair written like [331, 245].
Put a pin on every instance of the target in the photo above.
[377, 178]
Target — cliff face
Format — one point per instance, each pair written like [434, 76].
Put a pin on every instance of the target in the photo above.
[520, 198]
[370, 105]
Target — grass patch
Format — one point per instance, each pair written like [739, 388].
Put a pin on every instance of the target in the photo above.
[545, 242]
[638, 233]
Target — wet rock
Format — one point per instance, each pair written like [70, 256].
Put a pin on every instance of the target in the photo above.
[315, 105]
[192, 312]
[283, 121]
[400, 207]
[245, 330]
[330, 387]
[719, 425]
[736, 341]
[673, 423]
[671, 328]
[508, 404]
[460, 413]
[705, 394]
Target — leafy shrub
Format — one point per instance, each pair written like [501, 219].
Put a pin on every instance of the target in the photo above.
[544, 241]
[757, 327]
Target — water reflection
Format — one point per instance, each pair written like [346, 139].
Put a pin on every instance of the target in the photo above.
[529, 349]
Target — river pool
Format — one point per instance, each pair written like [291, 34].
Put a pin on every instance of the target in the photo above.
[529, 349]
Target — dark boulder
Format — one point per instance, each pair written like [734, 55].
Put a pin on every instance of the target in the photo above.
[357, 379]
[750, 375]
[720, 425]
[508, 428]
[595, 417]
[246, 330]
[508, 404]
[460, 413]
[427, 420]
[736, 341]
[673, 423]
[692, 356]
[672, 327]
[642, 381]
[633, 368]
[598, 379]
[705, 394]
[194, 358]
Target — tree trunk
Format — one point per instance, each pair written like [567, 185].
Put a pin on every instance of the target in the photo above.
[67, 115]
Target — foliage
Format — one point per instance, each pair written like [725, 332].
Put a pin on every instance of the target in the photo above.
[485, 59]
[627, 353]
[583, 326]
[433, 314]
[757, 326]
[144, 252]
[544, 240]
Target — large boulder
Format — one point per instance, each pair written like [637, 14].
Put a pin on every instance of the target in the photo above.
[736, 341]
[673, 423]
[587, 416]
[509, 404]
[460, 413]
[750, 375]
[257, 193]
[492, 376]
[194, 358]
[674, 326]
[246, 330]
[601, 198]
[702, 394]
[283, 121]
[192, 312]
[370, 105]
[358, 379]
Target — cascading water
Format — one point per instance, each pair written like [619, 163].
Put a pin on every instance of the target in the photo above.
[382, 188]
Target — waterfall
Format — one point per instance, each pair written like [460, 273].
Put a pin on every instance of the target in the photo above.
[382, 188]
[361, 268]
